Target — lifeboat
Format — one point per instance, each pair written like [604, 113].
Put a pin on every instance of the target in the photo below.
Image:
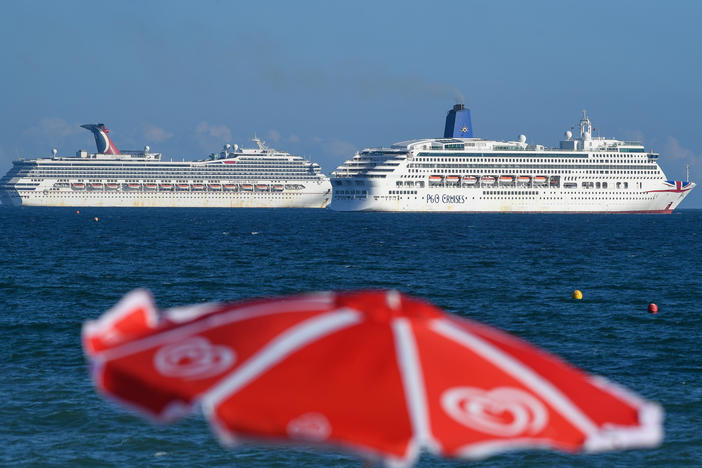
[78, 186]
[166, 186]
[262, 187]
[111, 186]
[486, 179]
[436, 178]
[506, 179]
[133, 186]
[198, 186]
[182, 186]
[215, 186]
[540, 179]
[523, 179]
[247, 187]
[151, 186]
[470, 179]
[452, 178]
[278, 187]
[96, 185]
[229, 186]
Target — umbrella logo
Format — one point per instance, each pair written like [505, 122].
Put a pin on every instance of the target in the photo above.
[310, 426]
[194, 358]
[502, 411]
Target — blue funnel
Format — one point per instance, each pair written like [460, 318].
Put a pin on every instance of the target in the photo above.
[458, 123]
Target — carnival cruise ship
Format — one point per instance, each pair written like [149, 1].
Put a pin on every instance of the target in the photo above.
[585, 174]
[236, 177]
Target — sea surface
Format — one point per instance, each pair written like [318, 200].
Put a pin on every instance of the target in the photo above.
[59, 268]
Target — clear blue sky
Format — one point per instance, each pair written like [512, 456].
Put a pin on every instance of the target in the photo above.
[323, 79]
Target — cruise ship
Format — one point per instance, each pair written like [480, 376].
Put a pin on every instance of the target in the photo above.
[459, 172]
[236, 177]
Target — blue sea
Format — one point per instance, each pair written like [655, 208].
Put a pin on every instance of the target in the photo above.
[517, 272]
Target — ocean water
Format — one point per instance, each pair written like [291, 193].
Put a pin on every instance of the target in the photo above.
[517, 272]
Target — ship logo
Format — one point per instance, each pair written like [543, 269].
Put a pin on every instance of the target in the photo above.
[675, 186]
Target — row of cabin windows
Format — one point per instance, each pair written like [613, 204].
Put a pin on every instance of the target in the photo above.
[493, 159]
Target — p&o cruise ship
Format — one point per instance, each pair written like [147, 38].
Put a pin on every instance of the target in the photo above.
[236, 177]
[586, 174]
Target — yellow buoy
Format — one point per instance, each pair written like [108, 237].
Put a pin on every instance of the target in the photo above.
[577, 294]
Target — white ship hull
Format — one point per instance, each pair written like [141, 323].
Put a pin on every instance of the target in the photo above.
[317, 195]
[527, 200]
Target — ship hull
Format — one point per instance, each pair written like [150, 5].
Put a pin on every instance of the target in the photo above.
[319, 197]
[481, 200]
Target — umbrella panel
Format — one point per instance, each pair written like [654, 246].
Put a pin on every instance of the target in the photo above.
[343, 389]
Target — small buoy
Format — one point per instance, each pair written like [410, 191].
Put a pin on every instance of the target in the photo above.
[577, 294]
[96, 219]
[77, 211]
[653, 308]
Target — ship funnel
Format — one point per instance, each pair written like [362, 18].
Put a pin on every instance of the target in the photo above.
[103, 142]
[458, 123]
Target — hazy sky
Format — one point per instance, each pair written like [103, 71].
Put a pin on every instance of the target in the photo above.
[323, 79]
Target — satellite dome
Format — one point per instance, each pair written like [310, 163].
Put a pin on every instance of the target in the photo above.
[522, 138]
[568, 135]
[54, 151]
[147, 148]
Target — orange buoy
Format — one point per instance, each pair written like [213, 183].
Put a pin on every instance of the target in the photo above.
[77, 211]
[96, 219]
[577, 294]
[653, 308]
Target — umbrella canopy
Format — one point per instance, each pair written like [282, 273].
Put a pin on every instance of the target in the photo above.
[378, 372]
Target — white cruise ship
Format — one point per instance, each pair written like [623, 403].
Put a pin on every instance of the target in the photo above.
[586, 174]
[236, 177]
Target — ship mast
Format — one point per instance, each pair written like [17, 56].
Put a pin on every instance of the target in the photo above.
[585, 127]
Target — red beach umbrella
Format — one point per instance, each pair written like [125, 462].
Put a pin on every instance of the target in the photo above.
[377, 372]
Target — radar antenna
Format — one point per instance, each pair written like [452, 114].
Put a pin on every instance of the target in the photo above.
[261, 144]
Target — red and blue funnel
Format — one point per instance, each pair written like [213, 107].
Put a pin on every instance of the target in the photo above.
[103, 142]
